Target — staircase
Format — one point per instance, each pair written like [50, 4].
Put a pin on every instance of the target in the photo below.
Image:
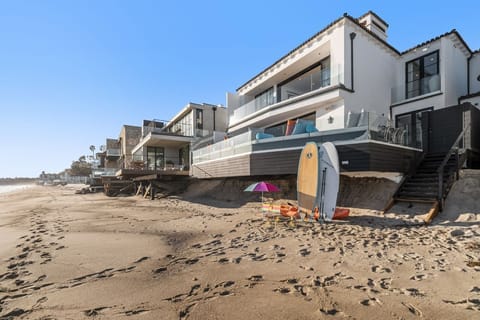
[431, 181]
[423, 186]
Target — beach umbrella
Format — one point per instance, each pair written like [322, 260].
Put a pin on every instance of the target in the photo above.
[262, 187]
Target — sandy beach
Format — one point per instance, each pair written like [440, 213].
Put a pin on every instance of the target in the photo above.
[208, 253]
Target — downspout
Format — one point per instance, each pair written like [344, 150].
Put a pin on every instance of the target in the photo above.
[214, 109]
[352, 36]
[468, 73]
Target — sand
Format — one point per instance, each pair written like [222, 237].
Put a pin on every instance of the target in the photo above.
[208, 253]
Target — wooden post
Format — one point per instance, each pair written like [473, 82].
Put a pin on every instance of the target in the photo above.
[457, 162]
[152, 192]
[147, 191]
[440, 189]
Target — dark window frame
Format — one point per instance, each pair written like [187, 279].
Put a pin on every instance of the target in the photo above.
[199, 119]
[413, 114]
[273, 101]
[421, 63]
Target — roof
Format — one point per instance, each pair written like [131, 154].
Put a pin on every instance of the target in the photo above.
[373, 14]
[446, 34]
[345, 16]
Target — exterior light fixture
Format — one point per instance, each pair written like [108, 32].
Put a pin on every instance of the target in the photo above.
[330, 119]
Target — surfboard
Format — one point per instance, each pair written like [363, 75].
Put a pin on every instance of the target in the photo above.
[328, 180]
[307, 178]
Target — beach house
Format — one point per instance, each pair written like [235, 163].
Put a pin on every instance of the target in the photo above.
[128, 138]
[347, 84]
[167, 145]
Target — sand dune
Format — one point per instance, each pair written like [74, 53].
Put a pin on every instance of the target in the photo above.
[194, 256]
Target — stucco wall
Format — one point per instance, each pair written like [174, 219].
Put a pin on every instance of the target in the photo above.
[374, 73]
[475, 73]
[454, 73]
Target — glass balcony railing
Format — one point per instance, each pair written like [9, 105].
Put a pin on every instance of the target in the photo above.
[179, 129]
[416, 89]
[296, 88]
[358, 126]
[113, 152]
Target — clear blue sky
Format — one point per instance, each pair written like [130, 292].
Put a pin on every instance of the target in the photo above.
[72, 72]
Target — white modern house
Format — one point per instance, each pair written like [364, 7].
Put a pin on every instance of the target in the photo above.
[166, 145]
[348, 85]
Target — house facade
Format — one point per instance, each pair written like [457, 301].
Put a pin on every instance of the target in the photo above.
[167, 145]
[351, 87]
[128, 138]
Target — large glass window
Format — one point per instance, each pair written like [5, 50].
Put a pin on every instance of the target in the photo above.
[422, 75]
[155, 158]
[264, 99]
[313, 78]
[199, 118]
[279, 129]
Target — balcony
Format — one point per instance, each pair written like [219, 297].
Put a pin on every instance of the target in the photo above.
[314, 82]
[358, 126]
[423, 88]
[367, 142]
[113, 153]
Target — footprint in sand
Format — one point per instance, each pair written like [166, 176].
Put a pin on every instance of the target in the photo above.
[160, 270]
[371, 302]
[414, 292]
[419, 277]
[413, 309]
[380, 269]
[94, 312]
[329, 312]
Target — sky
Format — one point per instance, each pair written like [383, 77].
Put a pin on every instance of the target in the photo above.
[73, 72]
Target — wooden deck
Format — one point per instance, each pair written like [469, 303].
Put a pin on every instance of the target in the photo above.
[127, 174]
[364, 155]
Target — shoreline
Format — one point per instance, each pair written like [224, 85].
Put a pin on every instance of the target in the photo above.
[194, 257]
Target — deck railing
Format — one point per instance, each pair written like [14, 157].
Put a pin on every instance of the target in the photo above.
[358, 126]
[455, 149]
[252, 106]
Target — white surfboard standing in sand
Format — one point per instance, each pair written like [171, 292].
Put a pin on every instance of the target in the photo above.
[318, 180]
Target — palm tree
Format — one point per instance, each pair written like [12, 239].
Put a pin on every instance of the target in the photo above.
[92, 148]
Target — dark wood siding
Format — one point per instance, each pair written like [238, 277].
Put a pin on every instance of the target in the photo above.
[238, 166]
[271, 163]
[376, 157]
[365, 156]
[475, 132]
[445, 126]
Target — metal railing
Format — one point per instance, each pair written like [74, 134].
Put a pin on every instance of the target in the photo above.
[442, 187]
[113, 153]
[369, 125]
[253, 106]
[139, 162]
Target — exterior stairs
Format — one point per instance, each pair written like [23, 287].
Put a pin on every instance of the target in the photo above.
[423, 185]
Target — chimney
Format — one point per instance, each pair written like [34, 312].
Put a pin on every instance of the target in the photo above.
[375, 24]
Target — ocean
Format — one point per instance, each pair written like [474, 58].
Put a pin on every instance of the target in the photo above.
[14, 187]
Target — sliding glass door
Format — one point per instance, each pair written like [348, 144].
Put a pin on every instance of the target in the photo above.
[155, 158]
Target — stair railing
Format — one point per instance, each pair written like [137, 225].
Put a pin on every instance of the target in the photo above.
[441, 169]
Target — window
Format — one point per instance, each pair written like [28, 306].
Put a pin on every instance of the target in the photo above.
[155, 158]
[315, 77]
[199, 118]
[279, 129]
[264, 99]
[422, 75]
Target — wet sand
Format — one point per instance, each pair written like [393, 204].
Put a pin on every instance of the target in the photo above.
[70, 256]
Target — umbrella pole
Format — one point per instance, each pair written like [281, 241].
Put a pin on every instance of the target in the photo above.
[264, 214]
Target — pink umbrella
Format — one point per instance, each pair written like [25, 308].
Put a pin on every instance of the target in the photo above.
[262, 187]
